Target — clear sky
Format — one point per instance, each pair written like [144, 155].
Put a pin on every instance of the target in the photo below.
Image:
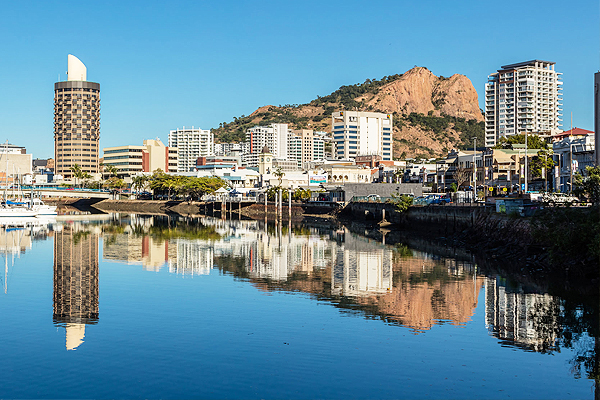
[164, 65]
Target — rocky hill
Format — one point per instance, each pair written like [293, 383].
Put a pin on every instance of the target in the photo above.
[431, 114]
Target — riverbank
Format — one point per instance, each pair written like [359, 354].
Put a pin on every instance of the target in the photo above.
[300, 212]
[496, 238]
[488, 235]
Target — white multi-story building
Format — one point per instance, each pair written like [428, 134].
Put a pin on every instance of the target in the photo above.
[520, 98]
[358, 133]
[304, 146]
[274, 136]
[223, 149]
[573, 151]
[191, 143]
[130, 160]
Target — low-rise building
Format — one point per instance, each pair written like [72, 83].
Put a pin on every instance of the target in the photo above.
[237, 177]
[15, 163]
[130, 160]
[573, 152]
[225, 160]
[341, 174]
[222, 149]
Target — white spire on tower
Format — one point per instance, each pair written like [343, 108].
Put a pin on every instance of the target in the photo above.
[76, 69]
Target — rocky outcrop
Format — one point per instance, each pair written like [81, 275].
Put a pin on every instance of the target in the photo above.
[416, 91]
[420, 91]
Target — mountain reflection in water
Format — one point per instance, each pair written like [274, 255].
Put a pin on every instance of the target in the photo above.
[397, 284]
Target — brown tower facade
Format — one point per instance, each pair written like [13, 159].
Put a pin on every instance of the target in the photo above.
[76, 122]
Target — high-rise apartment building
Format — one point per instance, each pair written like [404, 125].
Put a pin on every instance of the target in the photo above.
[358, 133]
[76, 121]
[191, 143]
[304, 146]
[522, 98]
[274, 136]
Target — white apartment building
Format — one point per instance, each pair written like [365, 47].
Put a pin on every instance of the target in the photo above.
[274, 136]
[223, 149]
[304, 146]
[191, 143]
[358, 133]
[522, 97]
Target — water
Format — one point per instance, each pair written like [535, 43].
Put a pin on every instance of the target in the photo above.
[156, 307]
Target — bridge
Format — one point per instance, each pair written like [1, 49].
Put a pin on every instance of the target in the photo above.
[60, 192]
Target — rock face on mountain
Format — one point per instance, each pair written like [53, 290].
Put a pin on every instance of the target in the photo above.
[431, 114]
[420, 91]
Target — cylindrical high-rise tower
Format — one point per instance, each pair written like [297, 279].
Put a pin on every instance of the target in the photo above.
[76, 121]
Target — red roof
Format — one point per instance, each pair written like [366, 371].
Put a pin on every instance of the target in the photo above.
[572, 132]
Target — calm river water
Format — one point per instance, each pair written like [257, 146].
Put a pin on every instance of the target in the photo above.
[160, 307]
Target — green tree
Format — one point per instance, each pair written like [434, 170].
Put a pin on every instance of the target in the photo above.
[542, 160]
[111, 170]
[115, 183]
[185, 186]
[272, 191]
[86, 177]
[78, 173]
[301, 194]
[402, 202]
[533, 141]
[587, 187]
[140, 182]
[279, 174]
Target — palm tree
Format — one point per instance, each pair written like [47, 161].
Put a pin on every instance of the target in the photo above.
[279, 174]
[111, 170]
[77, 173]
[140, 182]
[86, 177]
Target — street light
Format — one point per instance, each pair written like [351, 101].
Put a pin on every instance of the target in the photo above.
[474, 169]
[526, 162]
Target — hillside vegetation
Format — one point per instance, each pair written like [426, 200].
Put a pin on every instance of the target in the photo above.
[431, 114]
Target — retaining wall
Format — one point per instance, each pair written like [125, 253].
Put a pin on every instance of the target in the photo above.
[479, 222]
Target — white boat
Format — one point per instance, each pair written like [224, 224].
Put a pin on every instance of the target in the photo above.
[12, 210]
[40, 207]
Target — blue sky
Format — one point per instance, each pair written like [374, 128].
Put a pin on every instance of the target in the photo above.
[163, 65]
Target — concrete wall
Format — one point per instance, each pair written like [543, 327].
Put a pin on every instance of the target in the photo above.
[382, 189]
[446, 220]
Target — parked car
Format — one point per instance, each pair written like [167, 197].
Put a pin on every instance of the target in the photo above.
[373, 197]
[437, 199]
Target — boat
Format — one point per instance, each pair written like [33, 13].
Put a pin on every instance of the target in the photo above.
[14, 209]
[40, 207]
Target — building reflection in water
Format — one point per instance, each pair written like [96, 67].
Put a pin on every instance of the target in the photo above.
[527, 320]
[16, 237]
[75, 280]
[399, 285]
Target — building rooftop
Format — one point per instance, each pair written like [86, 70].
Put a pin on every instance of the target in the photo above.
[572, 132]
[526, 63]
